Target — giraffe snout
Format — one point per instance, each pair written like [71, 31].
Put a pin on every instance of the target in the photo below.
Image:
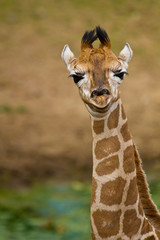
[100, 92]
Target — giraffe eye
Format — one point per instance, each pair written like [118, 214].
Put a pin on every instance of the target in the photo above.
[120, 74]
[77, 77]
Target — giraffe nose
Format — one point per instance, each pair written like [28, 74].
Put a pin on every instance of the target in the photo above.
[100, 92]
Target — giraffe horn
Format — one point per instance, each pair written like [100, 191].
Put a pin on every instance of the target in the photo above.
[103, 37]
[88, 38]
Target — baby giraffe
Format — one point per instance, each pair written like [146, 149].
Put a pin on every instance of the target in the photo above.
[121, 207]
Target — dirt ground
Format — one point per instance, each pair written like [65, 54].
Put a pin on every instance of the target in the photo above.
[44, 126]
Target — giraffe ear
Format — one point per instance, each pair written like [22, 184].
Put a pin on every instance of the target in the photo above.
[126, 53]
[67, 55]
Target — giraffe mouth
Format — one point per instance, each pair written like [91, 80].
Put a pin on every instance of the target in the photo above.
[100, 103]
[100, 109]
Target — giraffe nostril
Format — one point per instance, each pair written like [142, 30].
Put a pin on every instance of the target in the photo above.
[105, 91]
[100, 92]
[94, 93]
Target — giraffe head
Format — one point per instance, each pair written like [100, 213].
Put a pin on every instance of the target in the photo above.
[97, 72]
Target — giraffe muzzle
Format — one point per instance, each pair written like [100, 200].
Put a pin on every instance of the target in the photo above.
[100, 92]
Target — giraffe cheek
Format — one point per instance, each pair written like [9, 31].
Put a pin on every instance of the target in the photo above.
[85, 94]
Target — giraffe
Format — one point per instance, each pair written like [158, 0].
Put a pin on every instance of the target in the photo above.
[121, 207]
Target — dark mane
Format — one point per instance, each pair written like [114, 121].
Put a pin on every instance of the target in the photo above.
[90, 36]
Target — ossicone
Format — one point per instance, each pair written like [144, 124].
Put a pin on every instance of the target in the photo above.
[103, 37]
[90, 36]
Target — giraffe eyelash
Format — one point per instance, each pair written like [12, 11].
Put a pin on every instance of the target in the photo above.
[120, 74]
[77, 77]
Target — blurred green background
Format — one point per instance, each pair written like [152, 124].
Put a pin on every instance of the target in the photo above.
[45, 137]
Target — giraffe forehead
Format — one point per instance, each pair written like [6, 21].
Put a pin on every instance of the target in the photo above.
[98, 58]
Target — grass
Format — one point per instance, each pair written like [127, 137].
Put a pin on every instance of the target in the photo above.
[45, 212]
[6, 108]
[155, 192]
[48, 212]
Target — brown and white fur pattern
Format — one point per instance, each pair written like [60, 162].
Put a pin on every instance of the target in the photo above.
[121, 207]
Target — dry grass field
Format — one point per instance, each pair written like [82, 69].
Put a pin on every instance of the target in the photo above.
[44, 127]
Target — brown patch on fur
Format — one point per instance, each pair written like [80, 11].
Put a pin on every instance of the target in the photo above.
[107, 146]
[149, 207]
[150, 238]
[113, 118]
[125, 132]
[112, 192]
[98, 126]
[140, 209]
[94, 187]
[107, 222]
[108, 165]
[132, 192]
[146, 228]
[123, 113]
[128, 160]
[158, 233]
[131, 223]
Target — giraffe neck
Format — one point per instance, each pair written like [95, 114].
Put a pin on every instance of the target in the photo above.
[116, 209]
